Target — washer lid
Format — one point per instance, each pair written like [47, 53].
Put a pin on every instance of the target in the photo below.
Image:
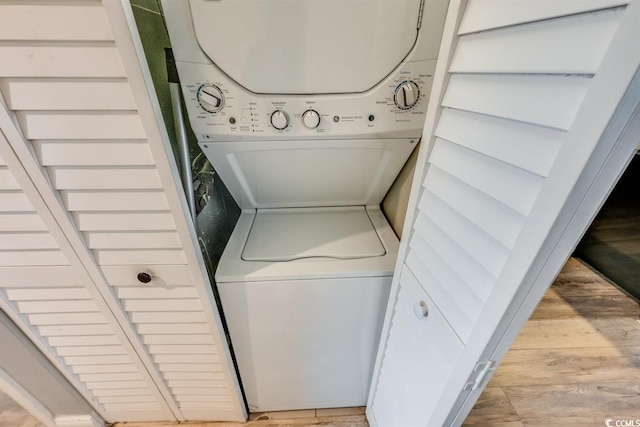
[306, 46]
[289, 234]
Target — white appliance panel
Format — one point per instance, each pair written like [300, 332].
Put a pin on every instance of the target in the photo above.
[305, 343]
[273, 174]
[245, 115]
[283, 46]
[233, 268]
[289, 234]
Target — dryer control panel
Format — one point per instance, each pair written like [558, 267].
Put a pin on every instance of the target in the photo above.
[221, 110]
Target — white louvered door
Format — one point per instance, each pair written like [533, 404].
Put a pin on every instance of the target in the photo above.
[81, 123]
[519, 153]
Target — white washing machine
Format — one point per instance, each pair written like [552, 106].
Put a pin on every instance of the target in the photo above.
[307, 110]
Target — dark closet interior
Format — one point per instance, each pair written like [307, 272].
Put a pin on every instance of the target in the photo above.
[612, 244]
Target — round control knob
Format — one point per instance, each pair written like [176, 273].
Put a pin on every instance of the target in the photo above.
[311, 119]
[406, 95]
[210, 98]
[279, 120]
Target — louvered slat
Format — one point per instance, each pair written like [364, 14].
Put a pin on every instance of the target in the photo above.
[192, 358]
[189, 367]
[475, 275]
[49, 294]
[15, 201]
[121, 221]
[80, 125]
[51, 319]
[186, 338]
[155, 293]
[21, 221]
[7, 181]
[67, 94]
[495, 219]
[27, 240]
[90, 351]
[483, 15]
[71, 306]
[54, 276]
[529, 147]
[510, 185]
[104, 369]
[93, 153]
[171, 317]
[71, 330]
[574, 45]
[39, 59]
[92, 201]
[86, 340]
[551, 101]
[125, 399]
[171, 328]
[197, 383]
[194, 376]
[124, 376]
[57, 20]
[106, 178]
[137, 257]
[32, 258]
[132, 240]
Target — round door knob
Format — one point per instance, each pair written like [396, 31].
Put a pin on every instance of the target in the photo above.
[421, 310]
[406, 95]
[210, 98]
[311, 119]
[279, 120]
[144, 277]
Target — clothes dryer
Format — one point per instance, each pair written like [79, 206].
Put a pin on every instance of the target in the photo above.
[307, 110]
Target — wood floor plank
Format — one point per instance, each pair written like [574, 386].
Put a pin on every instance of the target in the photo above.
[332, 421]
[592, 402]
[633, 350]
[578, 332]
[566, 422]
[493, 407]
[567, 366]
[505, 424]
[577, 360]
[558, 303]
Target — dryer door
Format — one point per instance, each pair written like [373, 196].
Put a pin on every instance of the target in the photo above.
[283, 46]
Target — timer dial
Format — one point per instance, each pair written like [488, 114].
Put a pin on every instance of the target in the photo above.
[279, 119]
[406, 95]
[210, 98]
[311, 119]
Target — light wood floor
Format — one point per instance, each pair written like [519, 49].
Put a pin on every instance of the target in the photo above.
[575, 363]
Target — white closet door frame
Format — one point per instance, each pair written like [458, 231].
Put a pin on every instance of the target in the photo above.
[608, 123]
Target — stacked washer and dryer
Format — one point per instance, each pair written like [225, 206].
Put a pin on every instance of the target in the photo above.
[307, 109]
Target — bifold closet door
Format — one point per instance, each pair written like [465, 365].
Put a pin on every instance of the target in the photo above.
[529, 106]
[80, 118]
